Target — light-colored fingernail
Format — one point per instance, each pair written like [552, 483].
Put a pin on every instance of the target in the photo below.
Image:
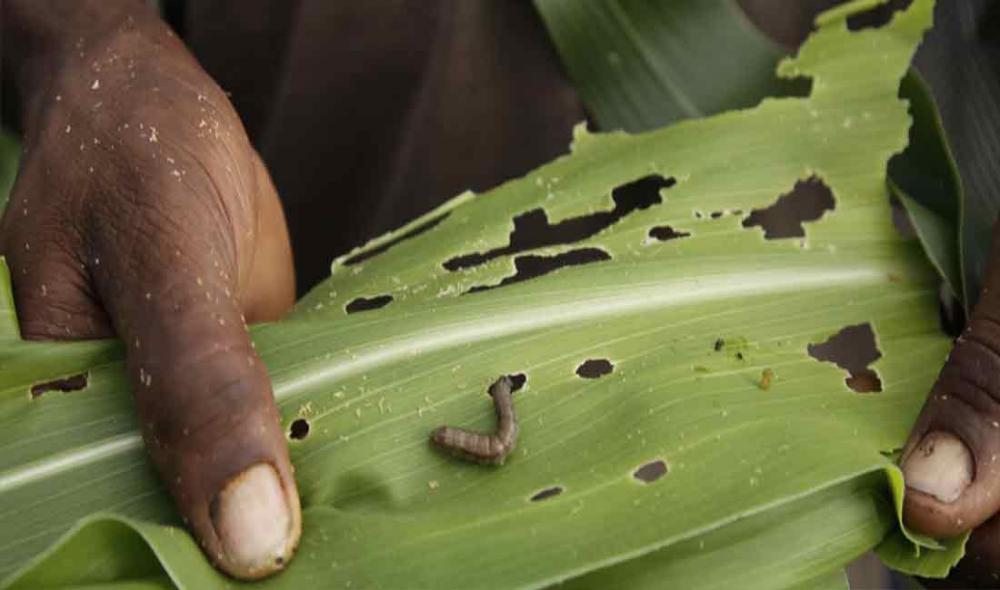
[941, 466]
[253, 521]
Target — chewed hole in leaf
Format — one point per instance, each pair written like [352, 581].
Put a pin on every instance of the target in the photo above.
[652, 471]
[595, 368]
[65, 385]
[299, 429]
[517, 381]
[532, 229]
[546, 493]
[423, 227]
[878, 16]
[808, 201]
[365, 303]
[666, 233]
[852, 349]
[531, 266]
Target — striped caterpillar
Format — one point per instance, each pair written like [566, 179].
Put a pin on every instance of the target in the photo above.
[487, 449]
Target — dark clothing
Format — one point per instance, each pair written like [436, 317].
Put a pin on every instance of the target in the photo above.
[369, 114]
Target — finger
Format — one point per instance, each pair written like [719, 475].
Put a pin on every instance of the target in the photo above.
[42, 249]
[270, 284]
[951, 462]
[169, 280]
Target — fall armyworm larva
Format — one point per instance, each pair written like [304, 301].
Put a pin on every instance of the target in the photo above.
[488, 449]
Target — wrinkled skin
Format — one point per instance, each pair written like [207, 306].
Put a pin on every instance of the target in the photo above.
[141, 210]
[964, 404]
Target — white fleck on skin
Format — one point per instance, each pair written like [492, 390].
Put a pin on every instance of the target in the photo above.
[45, 290]
[69, 128]
[95, 85]
[58, 98]
[152, 134]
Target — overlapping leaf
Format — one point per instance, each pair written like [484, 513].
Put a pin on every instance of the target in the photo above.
[785, 470]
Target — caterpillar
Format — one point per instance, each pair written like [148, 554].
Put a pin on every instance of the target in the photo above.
[486, 449]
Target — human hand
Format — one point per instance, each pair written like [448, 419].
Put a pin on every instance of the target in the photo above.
[141, 210]
[951, 462]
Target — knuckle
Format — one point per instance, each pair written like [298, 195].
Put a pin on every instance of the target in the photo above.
[208, 397]
[975, 357]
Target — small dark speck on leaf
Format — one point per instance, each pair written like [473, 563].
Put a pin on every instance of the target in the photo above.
[299, 429]
[651, 471]
[719, 344]
[547, 493]
[594, 368]
[66, 384]
[739, 356]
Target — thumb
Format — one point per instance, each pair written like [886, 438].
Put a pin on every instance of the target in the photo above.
[951, 462]
[202, 395]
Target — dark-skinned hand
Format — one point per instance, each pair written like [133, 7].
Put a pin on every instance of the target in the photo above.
[951, 462]
[141, 210]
